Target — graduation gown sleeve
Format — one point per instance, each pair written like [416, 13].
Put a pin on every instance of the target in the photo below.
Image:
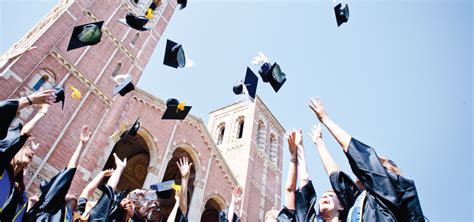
[102, 210]
[286, 215]
[81, 205]
[367, 167]
[180, 217]
[8, 109]
[223, 217]
[345, 189]
[56, 190]
[10, 145]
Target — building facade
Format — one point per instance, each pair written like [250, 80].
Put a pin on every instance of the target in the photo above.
[241, 144]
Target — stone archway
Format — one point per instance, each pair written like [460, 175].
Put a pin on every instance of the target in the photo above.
[136, 150]
[212, 208]
[172, 173]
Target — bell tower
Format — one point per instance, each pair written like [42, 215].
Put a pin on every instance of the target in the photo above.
[251, 139]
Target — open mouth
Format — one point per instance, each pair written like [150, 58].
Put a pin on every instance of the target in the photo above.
[326, 202]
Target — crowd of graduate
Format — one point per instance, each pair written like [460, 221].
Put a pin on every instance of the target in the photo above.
[379, 193]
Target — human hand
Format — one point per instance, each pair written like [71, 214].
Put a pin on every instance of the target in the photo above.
[318, 108]
[184, 166]
[43, 96]
[316, 135]
[120, 163]
[108, 172]
[85, 134]
[237, 195]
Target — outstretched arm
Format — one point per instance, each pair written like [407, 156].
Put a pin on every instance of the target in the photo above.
[342, 137]
[290, 198]
[174, 212]
[85, 136]
[236, 197]
[328, 162]
[302, 167]
[39, 97]
[26, 130]
[184, 168]
[119, 167]
[92, 186]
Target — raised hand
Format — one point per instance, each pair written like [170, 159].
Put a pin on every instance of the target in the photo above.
[184, 166]
[318, 108]
[43, 96]
[295, 139]
[85, 134]
[237, 195]
[120, 163]
[108, 172]
[33, 145]
[316, 135]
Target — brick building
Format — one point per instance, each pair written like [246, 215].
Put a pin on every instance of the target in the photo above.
[241, 144]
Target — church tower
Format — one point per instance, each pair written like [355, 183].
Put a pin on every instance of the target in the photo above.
[251, 140]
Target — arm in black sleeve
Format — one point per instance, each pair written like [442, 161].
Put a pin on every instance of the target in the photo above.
[305, 198]
[8, 109]
[57, 190]
[102, 209]
[369, 170]
[345, 189]
[10, 145]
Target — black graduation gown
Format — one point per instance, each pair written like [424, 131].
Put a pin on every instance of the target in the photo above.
[223, 217]
[389, 197]
[52, 203]
[8, 109]
[306, 199]
[11, 199]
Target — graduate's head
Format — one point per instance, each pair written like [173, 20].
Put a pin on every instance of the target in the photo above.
[272, 215]
[146, 204]
[390, 165]
[128, 207]
[329, 205]
[71, 201]
[23, 158]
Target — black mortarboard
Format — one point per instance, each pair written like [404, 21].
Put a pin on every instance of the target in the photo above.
[124, 87]
[134, 129]
[59, 93]
[8, 109]
[164, 190]
[136, 22]
[174, 55]
[342, 14]
[84, 35]
[183, 4]
[175, 110]
[250, 82]
[272, 74]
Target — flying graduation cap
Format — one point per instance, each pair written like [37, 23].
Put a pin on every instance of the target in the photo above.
[342, 13]
[248, 86]
[174, 55]
[182, 4]
[135, 22]
[124, 85]
[176, 110]
[272, 74]
[59, 93]
[85, 35]
[165, 189]
[133, 131]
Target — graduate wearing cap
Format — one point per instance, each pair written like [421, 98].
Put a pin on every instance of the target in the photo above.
[14, 158]
[89, 191]
[52, 202]
[230, 215]
[381, 191]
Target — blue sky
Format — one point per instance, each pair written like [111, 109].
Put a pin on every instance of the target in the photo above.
[397, 76]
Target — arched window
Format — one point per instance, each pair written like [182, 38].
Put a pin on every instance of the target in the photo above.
[220, 131]
[117, 69]
[240, 127]
[45, 79]
[273, 148]
[40, 82]
[134, 40]
[261, 134]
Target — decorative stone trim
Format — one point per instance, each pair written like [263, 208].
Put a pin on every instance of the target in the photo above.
[81, 77]
[261, 188]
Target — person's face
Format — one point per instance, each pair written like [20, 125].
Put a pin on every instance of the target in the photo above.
[24, 157]
[329, 204]
[128, 207]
